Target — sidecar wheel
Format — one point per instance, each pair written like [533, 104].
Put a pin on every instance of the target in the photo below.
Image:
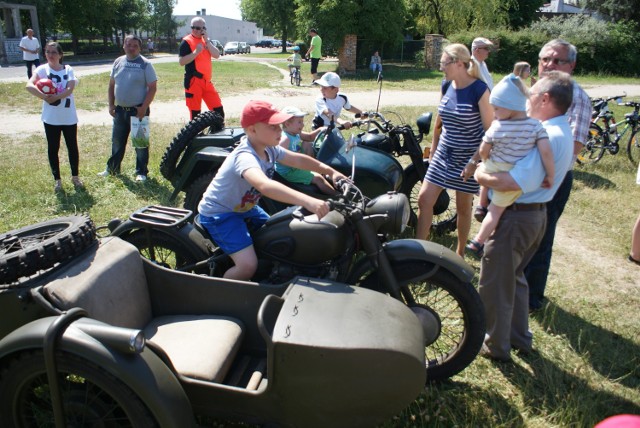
[167, 252]
[208, 119]
[456, 308]
[194, 192]
[37, 247]
[444, 211]
[91, 397]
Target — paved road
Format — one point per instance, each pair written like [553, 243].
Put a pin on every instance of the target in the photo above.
[281, 94]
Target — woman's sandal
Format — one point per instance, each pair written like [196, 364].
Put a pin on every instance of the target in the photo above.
[475, 248]
[632, 260]
[479, 213]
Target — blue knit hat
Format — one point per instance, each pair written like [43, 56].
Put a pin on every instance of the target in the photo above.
[507, 94]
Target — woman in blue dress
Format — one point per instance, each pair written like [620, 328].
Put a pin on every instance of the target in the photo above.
[464, 114]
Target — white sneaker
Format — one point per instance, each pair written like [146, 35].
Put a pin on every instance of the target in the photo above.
[104, 173]
[141, 178]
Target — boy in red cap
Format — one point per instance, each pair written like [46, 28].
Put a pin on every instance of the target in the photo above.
[229, 207]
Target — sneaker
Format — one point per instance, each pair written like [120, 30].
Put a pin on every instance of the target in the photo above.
[141, 178]
[104, 173]
[77, 183]
[58, 186]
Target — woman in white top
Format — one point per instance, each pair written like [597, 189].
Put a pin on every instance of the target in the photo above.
[58, 111]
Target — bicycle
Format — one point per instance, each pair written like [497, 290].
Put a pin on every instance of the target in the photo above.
[295, 76]
[606, 137]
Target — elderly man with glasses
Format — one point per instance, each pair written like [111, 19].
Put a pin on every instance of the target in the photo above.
[196, 51]
[503, 286]
[558, 55]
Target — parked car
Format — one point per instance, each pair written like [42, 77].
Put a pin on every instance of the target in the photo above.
[264, 43]
[277, 43]
[232, 48]
[217, 44]
[244, 47]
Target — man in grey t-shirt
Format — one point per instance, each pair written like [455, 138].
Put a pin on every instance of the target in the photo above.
[132, 86]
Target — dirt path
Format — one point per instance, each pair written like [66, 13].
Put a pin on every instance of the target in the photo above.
[281, 94]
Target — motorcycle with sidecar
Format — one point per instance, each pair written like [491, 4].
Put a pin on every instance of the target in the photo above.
[92, 334]
[353, 244]
[195, 154]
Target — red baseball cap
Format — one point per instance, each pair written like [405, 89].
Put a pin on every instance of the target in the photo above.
[261, 111]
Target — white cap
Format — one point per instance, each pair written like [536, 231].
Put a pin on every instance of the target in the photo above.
[329, 79]
[294, 111]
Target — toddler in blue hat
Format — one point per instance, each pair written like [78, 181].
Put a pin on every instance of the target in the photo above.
[511, 136]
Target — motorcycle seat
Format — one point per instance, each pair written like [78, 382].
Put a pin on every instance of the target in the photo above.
[109, 282]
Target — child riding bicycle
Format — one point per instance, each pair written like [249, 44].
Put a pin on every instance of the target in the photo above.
[295, 59]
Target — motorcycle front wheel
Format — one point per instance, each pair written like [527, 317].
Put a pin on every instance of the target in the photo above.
[445, 216]
[91, 397]
[163, 250]
[450, 311]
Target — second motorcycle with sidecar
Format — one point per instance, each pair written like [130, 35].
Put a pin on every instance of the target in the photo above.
[193, 158]
[92, 334]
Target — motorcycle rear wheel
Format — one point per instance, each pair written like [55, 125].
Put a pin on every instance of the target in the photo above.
[38, 247]
[196, 189]
[167, 251]
[208, 119]
[459, 314]
[90, 396]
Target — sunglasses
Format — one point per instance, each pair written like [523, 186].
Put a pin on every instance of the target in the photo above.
[195, 27]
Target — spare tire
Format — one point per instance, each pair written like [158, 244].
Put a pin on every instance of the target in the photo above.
[208, 119]
[26, 251]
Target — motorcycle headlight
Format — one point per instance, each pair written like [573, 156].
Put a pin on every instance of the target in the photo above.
[390, 212]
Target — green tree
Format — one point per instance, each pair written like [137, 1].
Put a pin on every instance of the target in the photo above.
[523, 12]
[451, 16]
[378, 21]
[618, 10]
[276, 14]
[159, 20]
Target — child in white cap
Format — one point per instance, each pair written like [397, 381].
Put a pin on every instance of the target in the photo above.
[330, 103]
[511, 136]
[296, 140]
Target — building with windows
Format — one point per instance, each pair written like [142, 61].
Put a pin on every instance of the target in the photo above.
[222, 29]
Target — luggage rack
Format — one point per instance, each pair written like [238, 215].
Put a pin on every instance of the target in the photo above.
[161, 216]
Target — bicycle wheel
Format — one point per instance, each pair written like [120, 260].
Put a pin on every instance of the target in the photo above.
[633, 148]
[297, 77]
[594, 148]
[292, 77]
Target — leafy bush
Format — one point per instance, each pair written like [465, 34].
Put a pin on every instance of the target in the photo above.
[603, 47]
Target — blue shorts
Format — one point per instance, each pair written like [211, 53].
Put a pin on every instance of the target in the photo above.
[231, 231]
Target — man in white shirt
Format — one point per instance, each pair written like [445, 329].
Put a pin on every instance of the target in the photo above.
[30, 47]
[480, 49]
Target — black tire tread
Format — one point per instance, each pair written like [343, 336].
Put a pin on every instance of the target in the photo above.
[208, 119]
[76, 234]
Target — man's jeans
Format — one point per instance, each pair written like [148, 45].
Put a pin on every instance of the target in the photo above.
[35, 63]
[537, 270]
[119, 137]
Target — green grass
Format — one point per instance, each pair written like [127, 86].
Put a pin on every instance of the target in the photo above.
[587, 361]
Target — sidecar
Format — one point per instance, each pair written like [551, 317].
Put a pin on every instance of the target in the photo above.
[111, 335]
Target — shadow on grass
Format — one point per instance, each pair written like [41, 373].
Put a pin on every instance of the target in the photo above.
[77, 202]
[543, 385]
[440, 406]
[592, 181]
[150, 189]
[611, 355]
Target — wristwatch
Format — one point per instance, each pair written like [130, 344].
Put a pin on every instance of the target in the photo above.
[473, 162]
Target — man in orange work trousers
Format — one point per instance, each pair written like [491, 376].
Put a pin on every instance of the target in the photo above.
[196, 51]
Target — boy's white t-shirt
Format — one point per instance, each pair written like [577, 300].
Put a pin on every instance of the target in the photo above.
[62, 112]
[334, 105]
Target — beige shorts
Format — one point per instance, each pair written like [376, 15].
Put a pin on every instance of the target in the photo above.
[500, 199]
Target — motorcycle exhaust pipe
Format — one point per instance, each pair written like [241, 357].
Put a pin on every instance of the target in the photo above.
[126, 340]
